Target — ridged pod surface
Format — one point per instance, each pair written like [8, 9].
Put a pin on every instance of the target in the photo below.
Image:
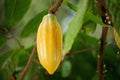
[49, 43]
[117, 37]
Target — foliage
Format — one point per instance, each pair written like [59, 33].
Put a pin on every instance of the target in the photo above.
[15, 10]
[19, 20]
[74, 26]
[29, 29]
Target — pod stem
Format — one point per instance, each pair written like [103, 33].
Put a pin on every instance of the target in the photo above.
[55, 7]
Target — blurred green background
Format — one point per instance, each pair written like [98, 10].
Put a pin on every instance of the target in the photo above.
[19, 20]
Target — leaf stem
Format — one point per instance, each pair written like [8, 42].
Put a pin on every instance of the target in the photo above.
[55, 7]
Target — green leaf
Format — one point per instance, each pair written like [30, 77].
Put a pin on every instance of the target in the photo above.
[22, 61]
[8, 62]
[89, 26]
[26, 54]
[66, 68]
[111, 60]
[32, 72]
[95, 77]
[70, 5]
[33, 24]
[74, 26]
[84, 41]
[114, 9]
[88, 16]
[2, 41]
[15, 10]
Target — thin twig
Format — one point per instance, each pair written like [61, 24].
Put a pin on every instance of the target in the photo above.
[82, 51]
[100, 56]
[12, 36]
[22, 47]
[28, 63]
[55, 7]
[35, 61]
[78, 51]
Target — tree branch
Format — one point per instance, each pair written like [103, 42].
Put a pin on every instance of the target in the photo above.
[107, 20]
[55, 7]
[100, 55]
[28, 63]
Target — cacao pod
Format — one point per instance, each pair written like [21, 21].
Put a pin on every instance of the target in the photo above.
[49, 43]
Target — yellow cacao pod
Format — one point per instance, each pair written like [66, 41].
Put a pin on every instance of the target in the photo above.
[49, 43]
[117, 37]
